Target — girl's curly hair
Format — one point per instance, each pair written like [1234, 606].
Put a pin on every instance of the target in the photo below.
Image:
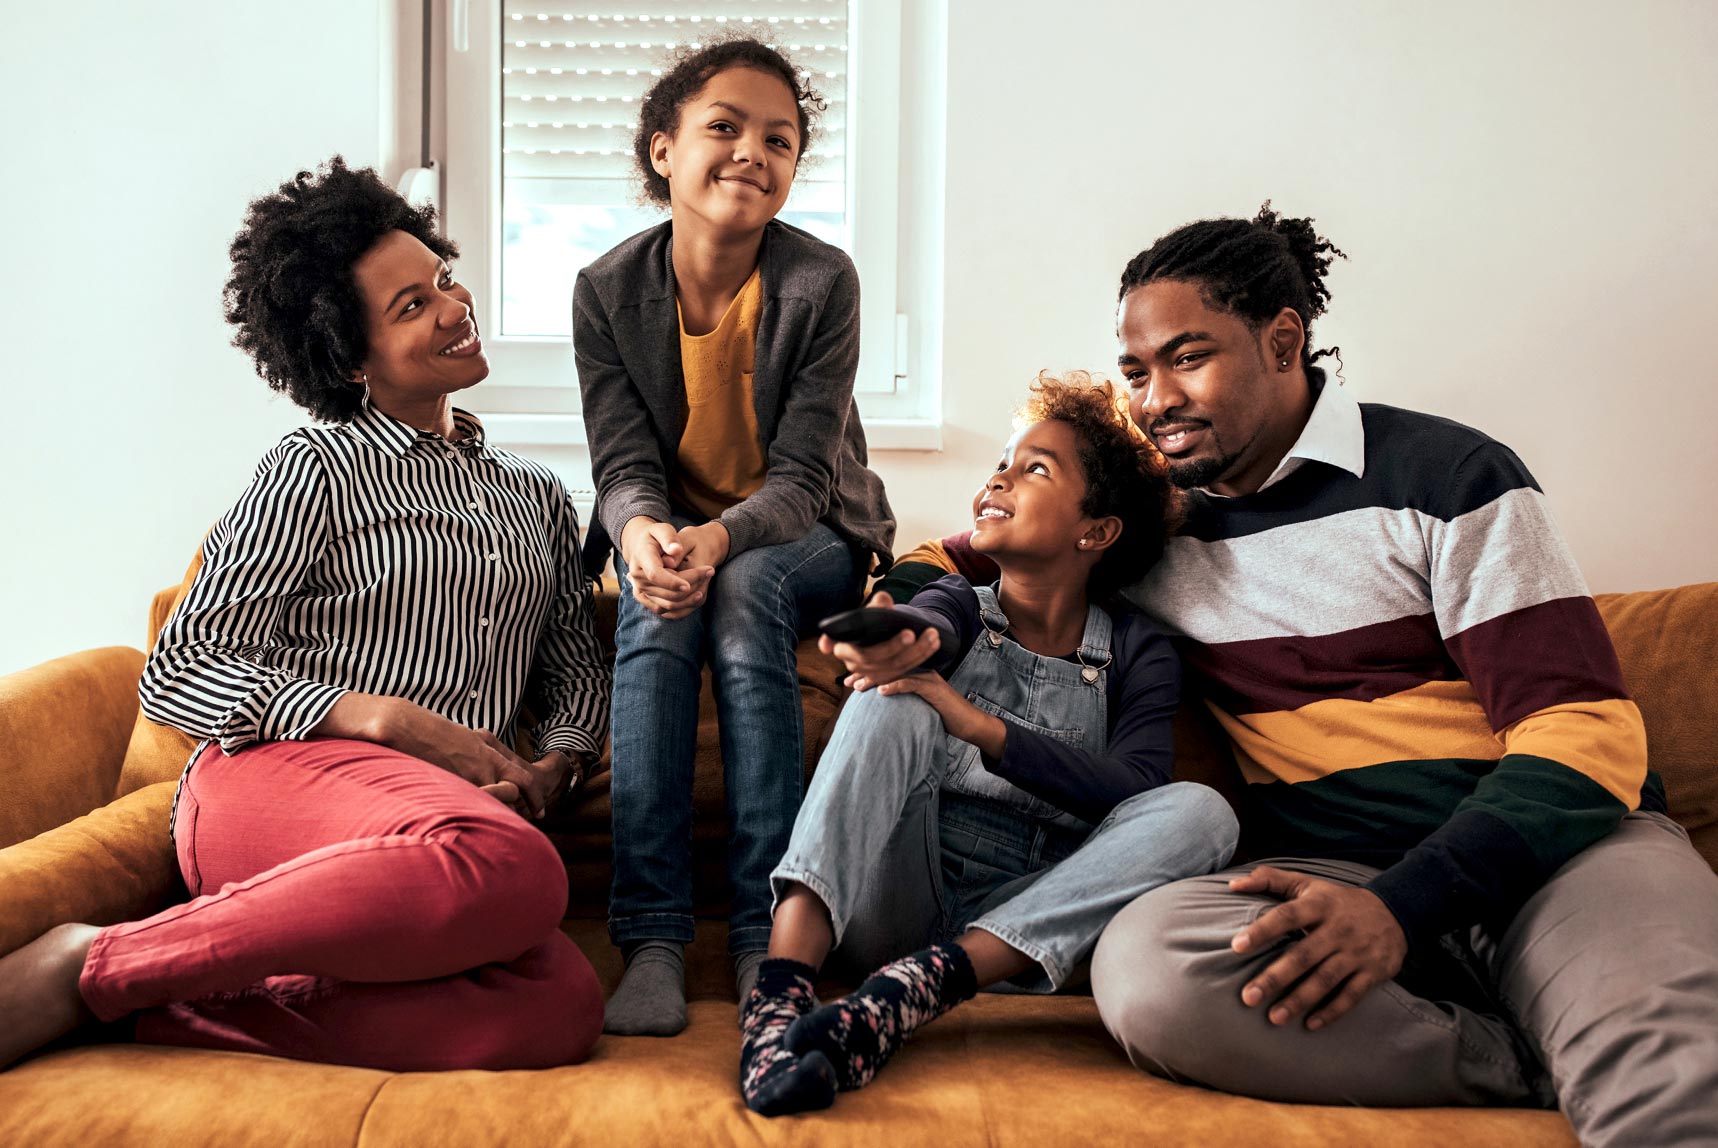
[692, 68]
[1125, 475]
[292, 295]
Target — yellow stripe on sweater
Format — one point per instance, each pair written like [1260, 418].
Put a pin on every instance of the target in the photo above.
[1604, 741]
[1436, 719]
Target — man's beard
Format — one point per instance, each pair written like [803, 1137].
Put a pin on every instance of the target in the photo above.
[1197, 472]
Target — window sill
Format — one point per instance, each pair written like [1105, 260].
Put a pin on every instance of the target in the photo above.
[535, 430]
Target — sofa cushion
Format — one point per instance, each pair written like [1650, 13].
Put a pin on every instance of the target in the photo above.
[115, 864]
[159, 752]
[1665, 640]
[63, 726]
[1001, 1071]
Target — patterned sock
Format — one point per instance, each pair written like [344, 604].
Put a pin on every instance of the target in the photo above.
[746, 972]
[773, 1080]
[861, 1031]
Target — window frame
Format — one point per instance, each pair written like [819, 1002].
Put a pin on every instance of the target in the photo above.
[538, 404]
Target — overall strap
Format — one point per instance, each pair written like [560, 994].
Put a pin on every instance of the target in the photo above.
[990, 614]
[1095, 653]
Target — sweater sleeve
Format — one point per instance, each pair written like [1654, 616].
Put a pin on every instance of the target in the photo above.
[1516, 619]
[930, 560]
[808, 437]
[203, 676]
[1144, 693]
[626, 463]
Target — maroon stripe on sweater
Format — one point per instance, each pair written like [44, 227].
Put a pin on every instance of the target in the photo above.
[1266, 675]
[1555, 653]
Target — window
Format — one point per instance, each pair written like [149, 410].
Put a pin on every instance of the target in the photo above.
[542, 101]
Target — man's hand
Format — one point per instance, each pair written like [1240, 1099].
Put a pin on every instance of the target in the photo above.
[960, 717]
[1352, 943]
[663, 581]
[887, 661]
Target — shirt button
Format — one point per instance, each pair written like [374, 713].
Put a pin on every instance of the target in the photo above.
[493, 556]
[483, 621]
[473, 695]
[471, 506]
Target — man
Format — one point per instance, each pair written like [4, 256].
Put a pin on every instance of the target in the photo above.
[1473, 895]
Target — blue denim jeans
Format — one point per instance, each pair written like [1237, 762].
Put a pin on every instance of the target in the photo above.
[759, 605]
[901, 861]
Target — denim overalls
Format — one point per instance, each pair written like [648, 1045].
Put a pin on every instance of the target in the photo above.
[908, 839]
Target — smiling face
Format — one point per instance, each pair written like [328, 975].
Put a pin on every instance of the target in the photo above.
[731, 161]
[1209, 390]
[1031, 509]
[423, 339]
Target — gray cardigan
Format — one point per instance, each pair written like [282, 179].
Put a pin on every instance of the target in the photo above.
[626, 342]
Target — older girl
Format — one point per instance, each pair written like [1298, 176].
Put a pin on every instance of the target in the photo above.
[716, 357]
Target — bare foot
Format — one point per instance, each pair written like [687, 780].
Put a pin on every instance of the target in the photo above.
[39, 997]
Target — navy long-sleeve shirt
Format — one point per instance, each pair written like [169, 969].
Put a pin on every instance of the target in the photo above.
[1143, 691]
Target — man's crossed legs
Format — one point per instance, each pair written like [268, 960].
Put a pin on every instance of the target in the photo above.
[1608, 978]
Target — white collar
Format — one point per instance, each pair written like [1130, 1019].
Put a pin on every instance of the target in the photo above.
[1333, 434]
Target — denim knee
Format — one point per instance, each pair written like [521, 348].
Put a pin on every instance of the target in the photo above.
[1196, 813]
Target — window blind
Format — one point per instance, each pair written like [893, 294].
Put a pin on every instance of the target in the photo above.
[572, 76]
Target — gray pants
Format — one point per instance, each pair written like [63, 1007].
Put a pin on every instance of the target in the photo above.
[1608, 978]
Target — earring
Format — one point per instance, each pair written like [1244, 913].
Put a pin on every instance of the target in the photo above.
[1081, 544]
[1283, 363]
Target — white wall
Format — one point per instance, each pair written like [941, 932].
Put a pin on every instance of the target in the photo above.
[135, 135]
[1526, 188]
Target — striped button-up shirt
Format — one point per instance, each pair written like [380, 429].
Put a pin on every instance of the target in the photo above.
[376, 557]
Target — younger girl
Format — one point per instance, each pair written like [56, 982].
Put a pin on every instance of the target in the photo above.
[1003, 808]
[716, 355]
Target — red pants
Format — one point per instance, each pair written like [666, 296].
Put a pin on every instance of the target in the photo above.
[354, 905]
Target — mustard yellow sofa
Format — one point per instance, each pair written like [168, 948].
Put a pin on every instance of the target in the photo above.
[86, 788]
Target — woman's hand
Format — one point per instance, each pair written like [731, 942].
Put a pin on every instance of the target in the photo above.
[960, 717]
[663, 581]
[886, 661]
[554, 775]
[476, 755]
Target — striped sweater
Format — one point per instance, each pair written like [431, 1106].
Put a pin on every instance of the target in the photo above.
[1409, 666]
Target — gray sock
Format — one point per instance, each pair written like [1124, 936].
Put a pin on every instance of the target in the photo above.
[746, 973]
[651, 997]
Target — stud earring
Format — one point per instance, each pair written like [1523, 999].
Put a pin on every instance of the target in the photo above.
[1283, 363]
[1081, 544]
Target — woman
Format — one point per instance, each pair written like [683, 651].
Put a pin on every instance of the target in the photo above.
[369, 620]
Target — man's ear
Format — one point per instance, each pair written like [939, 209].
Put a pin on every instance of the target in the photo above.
[659, 154]
[1284, 337]
[1101, 534]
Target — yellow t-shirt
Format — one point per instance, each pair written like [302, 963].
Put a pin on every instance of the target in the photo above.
[721, 462]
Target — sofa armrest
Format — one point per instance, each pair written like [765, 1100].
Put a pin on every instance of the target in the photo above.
[63, 727]
[115, 864]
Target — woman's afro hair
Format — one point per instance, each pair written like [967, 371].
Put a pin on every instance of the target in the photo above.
[292, 295]
[1125, 475]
